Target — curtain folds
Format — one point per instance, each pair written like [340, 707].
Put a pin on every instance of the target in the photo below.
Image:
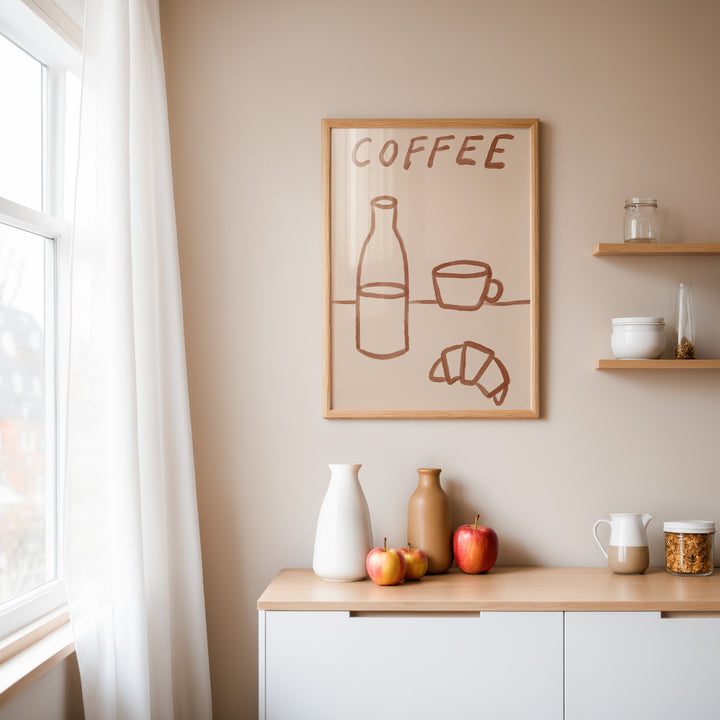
[133, 562]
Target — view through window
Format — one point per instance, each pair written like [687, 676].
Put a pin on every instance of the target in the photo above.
[21, 126]
[27, 493]
[38, 138]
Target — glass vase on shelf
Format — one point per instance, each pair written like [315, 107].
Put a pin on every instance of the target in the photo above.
[685, 333]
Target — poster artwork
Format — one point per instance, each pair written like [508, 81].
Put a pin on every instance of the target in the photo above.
[430, 268]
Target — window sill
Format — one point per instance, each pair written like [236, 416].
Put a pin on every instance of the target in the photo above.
[32, 651]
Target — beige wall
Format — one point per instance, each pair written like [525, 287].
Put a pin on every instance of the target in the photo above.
[627, 95]
[56, 695]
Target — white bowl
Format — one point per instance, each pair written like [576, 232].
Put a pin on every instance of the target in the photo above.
[638, 338]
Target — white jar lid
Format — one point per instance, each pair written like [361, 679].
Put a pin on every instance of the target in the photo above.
[638, 321]
[690, 526]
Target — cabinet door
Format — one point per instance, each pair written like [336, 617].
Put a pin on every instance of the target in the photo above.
[636, 665]
[332, 665]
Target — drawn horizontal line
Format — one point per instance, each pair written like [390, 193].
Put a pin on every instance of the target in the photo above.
[434, 302]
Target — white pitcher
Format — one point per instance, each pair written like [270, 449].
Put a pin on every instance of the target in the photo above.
[627, 553]
[344, 535]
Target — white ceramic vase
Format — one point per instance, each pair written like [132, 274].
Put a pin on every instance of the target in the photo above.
[344, 535]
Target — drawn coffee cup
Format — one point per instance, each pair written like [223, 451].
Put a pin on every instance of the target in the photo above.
[465, 285]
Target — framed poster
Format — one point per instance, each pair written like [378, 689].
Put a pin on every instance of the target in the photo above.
[430, 268]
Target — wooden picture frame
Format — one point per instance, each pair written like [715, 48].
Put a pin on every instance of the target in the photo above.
[430, 268]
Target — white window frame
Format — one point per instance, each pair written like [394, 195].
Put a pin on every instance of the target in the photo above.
[42, 30]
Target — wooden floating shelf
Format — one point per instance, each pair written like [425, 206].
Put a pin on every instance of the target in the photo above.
[708, 364]
[638, 249]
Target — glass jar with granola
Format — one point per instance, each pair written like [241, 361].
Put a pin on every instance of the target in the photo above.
[689, 547]
[684, 323]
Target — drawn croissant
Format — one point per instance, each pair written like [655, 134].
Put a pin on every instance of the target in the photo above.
[473, 365]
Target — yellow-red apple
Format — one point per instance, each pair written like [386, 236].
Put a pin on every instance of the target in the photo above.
[385, 566]
[416, 562]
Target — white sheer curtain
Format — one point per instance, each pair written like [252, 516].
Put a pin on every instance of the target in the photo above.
[132, 557]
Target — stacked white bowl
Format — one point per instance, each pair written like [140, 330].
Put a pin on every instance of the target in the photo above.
[638, 338]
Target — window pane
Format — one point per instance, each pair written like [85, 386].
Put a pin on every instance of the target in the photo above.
[27, 498]
[21, 79]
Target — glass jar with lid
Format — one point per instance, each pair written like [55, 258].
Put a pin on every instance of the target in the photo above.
[642, 221]
[689, 547]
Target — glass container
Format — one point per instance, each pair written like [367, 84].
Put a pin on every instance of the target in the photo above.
[642, 222]
[684, 336]
[689, 547]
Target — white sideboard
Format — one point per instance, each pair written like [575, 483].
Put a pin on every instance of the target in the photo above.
[639, 665]
[406, 665]
[517, 643]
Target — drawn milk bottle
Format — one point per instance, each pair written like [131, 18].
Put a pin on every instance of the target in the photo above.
[381, 319]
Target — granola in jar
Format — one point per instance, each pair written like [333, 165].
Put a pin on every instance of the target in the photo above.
[689, 547]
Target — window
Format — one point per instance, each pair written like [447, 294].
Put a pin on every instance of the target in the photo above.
[39, 116]
[21, 81]
[27, 555]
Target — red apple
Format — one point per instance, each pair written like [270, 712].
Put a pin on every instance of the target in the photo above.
[385, 565]
[475, 547]
[416, 562]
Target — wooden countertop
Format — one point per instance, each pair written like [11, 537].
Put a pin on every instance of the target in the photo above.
[503, 588]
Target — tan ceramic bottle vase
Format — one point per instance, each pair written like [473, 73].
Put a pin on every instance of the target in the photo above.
[429, 521]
